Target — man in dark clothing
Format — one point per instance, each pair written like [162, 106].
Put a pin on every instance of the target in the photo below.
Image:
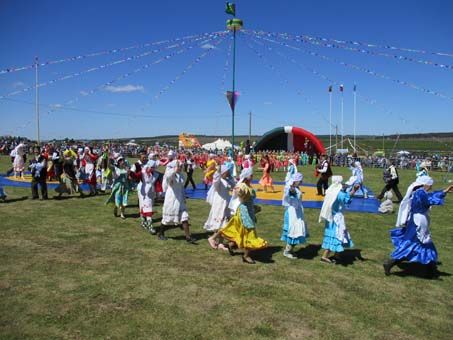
[188, 168]
[325, 172]
[391, 180]
[38, 167]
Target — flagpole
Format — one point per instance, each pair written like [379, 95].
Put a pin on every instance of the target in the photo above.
[234, 85]
[355, 115]
[330, 121]
[37, 101]
[342, 118]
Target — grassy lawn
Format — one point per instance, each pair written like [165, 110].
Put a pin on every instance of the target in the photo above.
[70, 269]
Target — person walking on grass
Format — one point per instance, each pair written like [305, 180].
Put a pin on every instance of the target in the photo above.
[218, 197]
[324, 171]
[38, 167]
[266, 180]
[174, 210]
[189, 166]
[336, 235]
[120, 188]
[391, 179]
[412, 237]
[295, 229]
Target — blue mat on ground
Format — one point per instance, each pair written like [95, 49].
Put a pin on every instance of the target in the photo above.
[358, 204]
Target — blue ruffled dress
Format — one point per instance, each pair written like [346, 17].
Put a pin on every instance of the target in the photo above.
[292, 201]
[412, 242]
[330, 240]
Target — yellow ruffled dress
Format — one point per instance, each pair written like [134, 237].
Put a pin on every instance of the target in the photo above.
[241, 229]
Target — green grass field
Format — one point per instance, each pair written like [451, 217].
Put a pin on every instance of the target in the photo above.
[70, 269]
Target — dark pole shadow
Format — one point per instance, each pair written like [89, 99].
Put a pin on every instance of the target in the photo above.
[23, 198]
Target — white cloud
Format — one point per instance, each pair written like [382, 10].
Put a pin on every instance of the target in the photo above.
[125, 88]
[18, 84]
[208, 46]
[56, 106]
[267, 103]
[83, 93]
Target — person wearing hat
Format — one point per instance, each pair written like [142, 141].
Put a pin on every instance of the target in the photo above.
[412, 237]
[211, 166]
[295, 229]
[324, 171]
[174, 210]
[120, 188]
[19, 162]
[218, 197]
[336, 235]
[240, 231]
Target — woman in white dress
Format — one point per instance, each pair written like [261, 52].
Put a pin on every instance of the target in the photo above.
[174, 210]
[19, 163]
[218, 197]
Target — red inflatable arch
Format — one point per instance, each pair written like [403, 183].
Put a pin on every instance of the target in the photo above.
[290, 138]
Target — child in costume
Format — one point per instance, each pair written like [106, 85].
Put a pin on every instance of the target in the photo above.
[294, 227]
[336, 235]
[386, 205]
[412, 237]
[240, 231]
[218, 197]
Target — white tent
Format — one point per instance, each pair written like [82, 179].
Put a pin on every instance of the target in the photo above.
[403, 153]
[219, 144]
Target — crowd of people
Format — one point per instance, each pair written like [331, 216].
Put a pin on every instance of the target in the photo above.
[232, 218]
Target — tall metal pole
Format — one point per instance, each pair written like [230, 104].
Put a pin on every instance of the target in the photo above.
[342, 119]
[37, 100]
[355, 115]
[234, 86]
[250, 126]
[330, 123]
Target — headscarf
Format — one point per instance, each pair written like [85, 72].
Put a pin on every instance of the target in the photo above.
[297, 177]
[224, 168]
[405, 205]
[245, 174]
[330, 198]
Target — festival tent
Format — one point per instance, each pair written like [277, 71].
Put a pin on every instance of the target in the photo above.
[403, 153]
[219, 144]
[290, 138]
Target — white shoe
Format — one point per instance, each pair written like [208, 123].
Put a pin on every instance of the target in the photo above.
[289, 255]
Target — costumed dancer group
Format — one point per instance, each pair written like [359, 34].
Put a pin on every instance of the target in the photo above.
[233, 223]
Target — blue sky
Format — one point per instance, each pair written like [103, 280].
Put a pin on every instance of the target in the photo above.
[278, 84]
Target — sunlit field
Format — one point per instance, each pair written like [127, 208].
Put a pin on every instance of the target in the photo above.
[70, 269]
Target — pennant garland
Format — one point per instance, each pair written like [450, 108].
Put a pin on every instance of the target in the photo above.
[92, 69]
[187, 69]
[367, 100]
[315, 41]
[105, 52]
[125, 75]
[359, 68]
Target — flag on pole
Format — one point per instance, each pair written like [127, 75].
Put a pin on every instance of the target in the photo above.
[232, 98]
[330, 88]
[355, 87]
[341, 88]
[230, 9]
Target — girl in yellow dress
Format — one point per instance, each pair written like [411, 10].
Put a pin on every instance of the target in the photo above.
[241, 229]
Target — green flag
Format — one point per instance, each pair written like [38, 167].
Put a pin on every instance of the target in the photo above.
[230, 9]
